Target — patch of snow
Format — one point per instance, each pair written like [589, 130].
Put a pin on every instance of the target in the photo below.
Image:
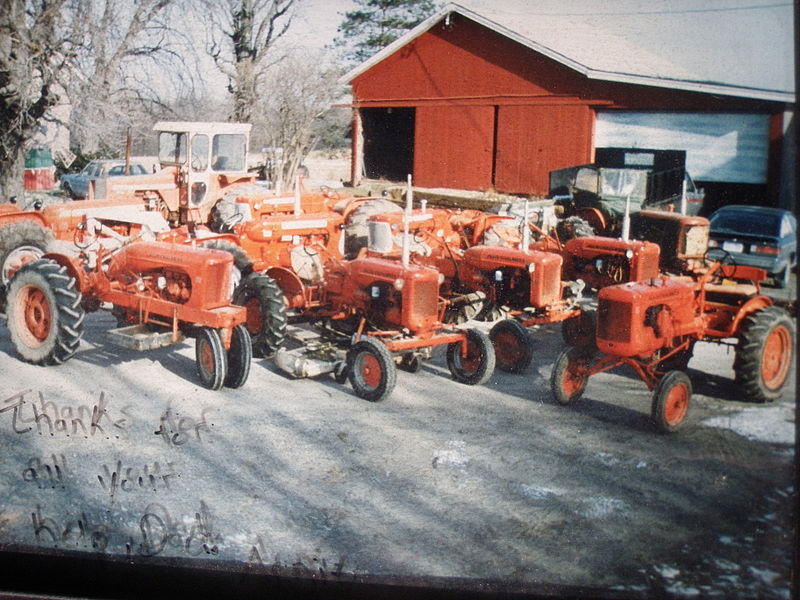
[667, 572]
[538, 492]
[455, 455]
[725, 539]
[685, 592]
[764, 575]
[603, 506]
[726, 564]
[642, 464]
[606, 458]
[773, 424]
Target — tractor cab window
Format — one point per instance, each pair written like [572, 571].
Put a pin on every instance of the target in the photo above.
[199, 153]
[172, 147]
[228, 152]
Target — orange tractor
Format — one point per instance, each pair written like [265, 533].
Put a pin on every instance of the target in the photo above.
[533, 283]
[652, 326]
[384, 313]
[160, 292]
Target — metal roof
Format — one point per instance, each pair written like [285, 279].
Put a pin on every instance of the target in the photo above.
[597, 53]
[202, 127]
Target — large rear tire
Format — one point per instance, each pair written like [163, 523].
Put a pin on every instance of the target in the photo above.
[764, 354]
[478, 365]
[513, 346]
[671, 400]
[212, 361]
[20, 243]
[45, 317]
[240, 355]
[371, 370]
[266, 312]
[569, 377]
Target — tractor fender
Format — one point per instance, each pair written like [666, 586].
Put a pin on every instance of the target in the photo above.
[291, 286]
[6, 218]
[82, 281]
[748, 308]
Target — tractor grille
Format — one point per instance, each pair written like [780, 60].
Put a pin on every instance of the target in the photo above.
[614, 321]
[423, 304]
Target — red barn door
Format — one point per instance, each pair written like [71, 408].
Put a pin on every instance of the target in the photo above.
[534, 140]
[453, 147]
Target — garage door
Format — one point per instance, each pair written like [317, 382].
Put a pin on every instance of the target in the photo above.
[729, 147]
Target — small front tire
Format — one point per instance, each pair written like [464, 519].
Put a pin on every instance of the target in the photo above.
[212, 361]
[240, 354]
[478, 365]
[671, 400]
[371, 370]
[570, 375]
[513, 347]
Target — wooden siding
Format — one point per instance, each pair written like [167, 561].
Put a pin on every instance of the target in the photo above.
[545, 110]
[526, 152]
[453, 147]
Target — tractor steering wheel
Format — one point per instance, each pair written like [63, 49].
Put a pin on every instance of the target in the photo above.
[722, 257]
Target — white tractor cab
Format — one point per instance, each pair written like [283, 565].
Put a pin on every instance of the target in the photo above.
[200, 162]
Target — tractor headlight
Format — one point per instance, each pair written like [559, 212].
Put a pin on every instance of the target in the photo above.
[161, 282]
[441, 279]
[531, 267]
[498, 275]
[398, 284]
[629, 254]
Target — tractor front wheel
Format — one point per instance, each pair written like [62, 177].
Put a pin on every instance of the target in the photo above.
[764, 354]
[569, 376]
[212, 361]
[478, 365]
[513, 346]
[580, 331]
[45, 317]
[239, 356]
[266, 312]
[671, 400]
[371, 370]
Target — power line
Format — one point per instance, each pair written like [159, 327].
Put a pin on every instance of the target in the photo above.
[666, 12]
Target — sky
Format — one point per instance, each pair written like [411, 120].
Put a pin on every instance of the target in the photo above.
[751, 40]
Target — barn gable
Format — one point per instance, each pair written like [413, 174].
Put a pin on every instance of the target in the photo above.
[465, 103]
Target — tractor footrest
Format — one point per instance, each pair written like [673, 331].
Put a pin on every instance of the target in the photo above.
[141, 337]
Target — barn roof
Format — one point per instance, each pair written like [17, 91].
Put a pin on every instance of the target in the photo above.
[595, 52]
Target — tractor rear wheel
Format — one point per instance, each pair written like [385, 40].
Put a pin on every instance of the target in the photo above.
[240, 355]
[212, 361]
[20, 243]
[478, 365]
[266, 312]
[371, 370]
[671, 400]
[580, 331]
[765, 353]
[513, 346]
[45, 317]
[569, 376]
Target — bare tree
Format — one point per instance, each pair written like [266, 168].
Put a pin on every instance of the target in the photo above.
[302, 88]
[129, 57]
[35, 46]
[242, 37]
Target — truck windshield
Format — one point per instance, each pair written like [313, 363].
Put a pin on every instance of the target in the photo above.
[172, 147]
[228, 152]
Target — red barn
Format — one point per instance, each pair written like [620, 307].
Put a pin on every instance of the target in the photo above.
[464, 101]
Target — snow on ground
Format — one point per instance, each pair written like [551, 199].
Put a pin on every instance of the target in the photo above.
[772, 424]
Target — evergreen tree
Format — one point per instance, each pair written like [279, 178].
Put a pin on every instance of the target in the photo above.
[377, 23]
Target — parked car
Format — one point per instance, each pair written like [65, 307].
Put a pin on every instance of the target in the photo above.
[759, 237]
[76, 185]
